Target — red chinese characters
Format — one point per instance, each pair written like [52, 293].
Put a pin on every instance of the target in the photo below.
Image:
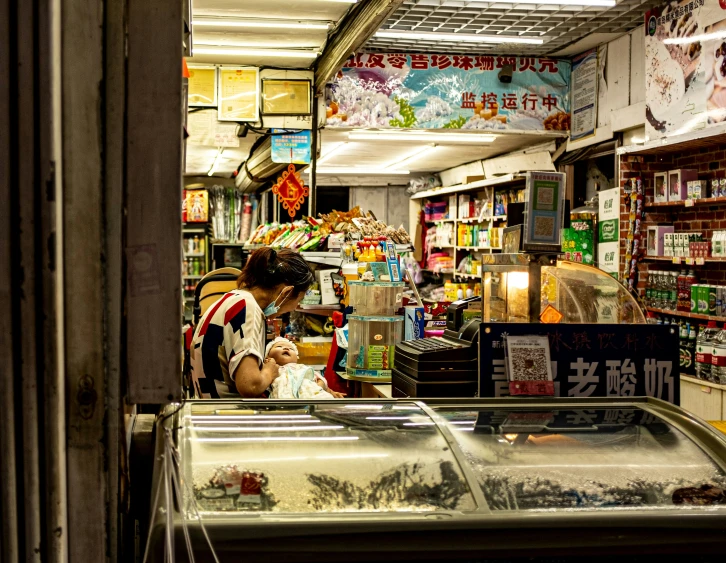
[509, 101]
[468, 100]
[375, 61]
[549, 102]
[396, 60]
[463, 62]
[355, 61]
[527, 63]
[484, 62]
[529, 101]
[548, 65]
[502, 61]
[490, 100]
[440, 61]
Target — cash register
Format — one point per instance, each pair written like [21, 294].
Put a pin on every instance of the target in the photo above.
[443, 366]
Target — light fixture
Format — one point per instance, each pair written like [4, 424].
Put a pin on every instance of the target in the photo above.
[255, 52]
[264, 24]
[606, 3]
[415, 155]
[695, 38]
[215, 162]
[458, 37]
[331, 151]
[362, 170]
[424, 136]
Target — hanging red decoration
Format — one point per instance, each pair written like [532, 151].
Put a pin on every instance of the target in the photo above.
[290, 190]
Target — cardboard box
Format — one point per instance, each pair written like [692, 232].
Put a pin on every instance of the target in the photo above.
[325, 281]
[656, 240]
[413, 325]
[660, 189]
[678, 183]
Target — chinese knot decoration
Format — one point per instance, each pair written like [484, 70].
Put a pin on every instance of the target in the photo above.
[290, 190]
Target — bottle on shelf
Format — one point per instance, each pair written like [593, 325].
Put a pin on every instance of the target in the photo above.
[692, 297]
[673, 290]
[718, 359]
[684, 299]
[195, 244]
[691, 347]
[704, 344]
[685, 361]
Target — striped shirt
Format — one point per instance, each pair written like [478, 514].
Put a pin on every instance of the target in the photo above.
[234, 327]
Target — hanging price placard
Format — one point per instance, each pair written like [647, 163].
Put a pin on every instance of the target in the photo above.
[290, 190]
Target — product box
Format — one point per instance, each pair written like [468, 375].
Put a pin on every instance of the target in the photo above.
[668, 244]
[697, 189]
[656, 239]
[336, 241]
[660, 189]
[464, 206]
[327, 292]
[453, 213]
[413, 325]
[678, 183]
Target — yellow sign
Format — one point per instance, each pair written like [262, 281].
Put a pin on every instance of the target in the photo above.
[203, 86]
[239, 94]
[286, 97]
[551, 316]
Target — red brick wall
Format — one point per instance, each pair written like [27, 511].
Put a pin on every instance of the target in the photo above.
[711, 163]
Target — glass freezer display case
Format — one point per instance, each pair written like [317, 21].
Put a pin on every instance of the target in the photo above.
[441, 479]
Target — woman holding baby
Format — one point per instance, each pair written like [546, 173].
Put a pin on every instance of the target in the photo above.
[228, 349]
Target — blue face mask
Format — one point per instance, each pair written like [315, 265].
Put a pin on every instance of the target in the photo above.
[273, 308]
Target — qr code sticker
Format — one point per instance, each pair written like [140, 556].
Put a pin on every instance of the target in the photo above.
[545, 196]
[528, 364]
[544, 226]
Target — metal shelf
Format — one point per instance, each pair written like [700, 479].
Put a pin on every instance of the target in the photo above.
[686, 314]
[687, 260]
[502, 181]
[687, 203]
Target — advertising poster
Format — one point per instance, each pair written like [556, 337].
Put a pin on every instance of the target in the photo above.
[450, 92]
[578, 241]
[543, 221]
[291, 148]
[584, 95]
[685, 82]
[608, 249]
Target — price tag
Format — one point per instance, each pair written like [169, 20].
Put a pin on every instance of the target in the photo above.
[676, 259]
[689, 203]
[700, 261]
[689, 261]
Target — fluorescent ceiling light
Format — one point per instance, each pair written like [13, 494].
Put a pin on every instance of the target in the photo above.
[695, 38]
[264, 24]
[458, 37]
[331, 151]
[362, 170]
[415, 155]
[423, 136]
[255, 52]
[607, 3]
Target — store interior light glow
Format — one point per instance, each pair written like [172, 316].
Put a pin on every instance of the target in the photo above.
[362, 170]
[256, 52]
[604, 3]
[260, 23]
[695, 38]
[415, 155]
[424, 136]
[458, 37]
[330, 152]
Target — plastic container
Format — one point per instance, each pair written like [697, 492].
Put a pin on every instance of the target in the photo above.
[376, 298]
[350, 274]
[704, 346]
[371, 345]
[718, 359]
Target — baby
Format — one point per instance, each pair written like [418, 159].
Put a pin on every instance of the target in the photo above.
[296, 381]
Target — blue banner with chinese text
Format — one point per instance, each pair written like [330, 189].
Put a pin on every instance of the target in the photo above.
[450, 92]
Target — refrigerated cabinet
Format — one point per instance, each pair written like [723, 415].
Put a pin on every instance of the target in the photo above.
[437, 480]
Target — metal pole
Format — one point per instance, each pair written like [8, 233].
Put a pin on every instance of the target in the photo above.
[313, 198]
[535, 289]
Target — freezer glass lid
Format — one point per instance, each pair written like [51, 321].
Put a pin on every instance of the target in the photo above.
[331, 457]
[602, 458]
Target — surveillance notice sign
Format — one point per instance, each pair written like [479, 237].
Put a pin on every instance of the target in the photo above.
[584, 95]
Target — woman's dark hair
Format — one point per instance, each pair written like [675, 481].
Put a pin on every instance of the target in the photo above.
[269, 268]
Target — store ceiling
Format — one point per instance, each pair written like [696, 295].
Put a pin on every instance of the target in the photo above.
[272, 33]
[557, 25]
[372, 154]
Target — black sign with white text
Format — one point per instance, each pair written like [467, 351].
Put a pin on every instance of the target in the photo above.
[591, 360]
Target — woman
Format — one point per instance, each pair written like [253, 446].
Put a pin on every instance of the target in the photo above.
[228, 349]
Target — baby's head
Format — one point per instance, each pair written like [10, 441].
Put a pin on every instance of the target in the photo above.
[282, 351]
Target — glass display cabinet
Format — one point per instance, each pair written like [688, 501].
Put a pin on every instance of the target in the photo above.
[436, 480]
[581, 293]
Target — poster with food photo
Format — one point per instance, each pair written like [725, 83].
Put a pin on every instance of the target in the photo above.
[685, 67]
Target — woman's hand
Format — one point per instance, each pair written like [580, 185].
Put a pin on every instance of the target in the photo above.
[270, 369]
[337, 395]
[251, 380]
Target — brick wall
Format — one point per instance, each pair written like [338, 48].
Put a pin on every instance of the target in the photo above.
[710, 163]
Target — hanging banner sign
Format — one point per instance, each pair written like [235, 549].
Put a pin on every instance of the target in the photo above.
[290, 190]
[584, 95]
[685, 72]
[291, 148]
[608, 249]
[450, 92]
[591, 360]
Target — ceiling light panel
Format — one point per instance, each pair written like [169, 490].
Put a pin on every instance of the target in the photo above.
[233, 23]
[453, 137]
[558, 24]
[458, 37]
[245, 52]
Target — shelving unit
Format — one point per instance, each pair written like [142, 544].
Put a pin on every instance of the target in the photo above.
[688, 203]
[687, 315]
[686, 260]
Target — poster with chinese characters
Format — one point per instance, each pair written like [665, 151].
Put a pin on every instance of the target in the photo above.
[450, 92]
[578, 241]
[584, 95]
[608, 248]
[591, 360]
[290, 148]
[685, 67]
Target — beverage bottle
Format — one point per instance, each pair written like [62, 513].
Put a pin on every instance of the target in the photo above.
[704, 343]
[691, 347]
[682, 292]
[663, 283]
[683, 348]
[693, 299]
[674, 291]
[718, 359]
[649, 290]
[195, 244]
